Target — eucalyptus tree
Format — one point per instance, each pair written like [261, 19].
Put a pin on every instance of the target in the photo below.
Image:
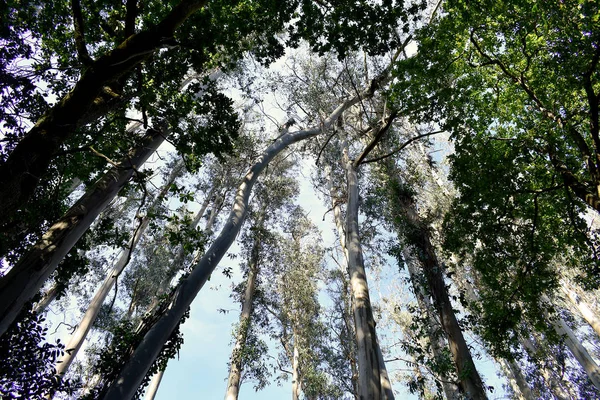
[79, 335]
[297, 314]
[273, 196]
[27, 276]
[149, 347]
[515, 84]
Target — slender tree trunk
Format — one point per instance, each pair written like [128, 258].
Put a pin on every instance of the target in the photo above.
[26, 278]
[554, 385]
[132, 374]
[295, 372]
[48, 298]
[177, 265]
[369, 369]
[516, 379]
[236, 366]
[470, 382]
[451, 390]
[339, 224]
[154, 385]
[586, 312]
[78, 337]
[579, 352]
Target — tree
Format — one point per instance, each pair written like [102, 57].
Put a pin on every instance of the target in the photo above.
[145, 353]
[27, 277]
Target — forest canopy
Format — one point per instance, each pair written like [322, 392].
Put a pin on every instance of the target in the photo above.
[396, 198]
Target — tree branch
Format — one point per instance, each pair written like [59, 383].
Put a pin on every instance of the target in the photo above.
[378, 135]
[79, 34]
[399, 149]
[130, 17]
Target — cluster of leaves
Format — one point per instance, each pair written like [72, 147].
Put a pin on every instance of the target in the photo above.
[514, 92]
[27, 361]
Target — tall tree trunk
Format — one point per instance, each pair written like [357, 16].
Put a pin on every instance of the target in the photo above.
[369, 368]
[78, 337]
[88, 100]
[554, 385]
[295, 372]
[177, 265]
[48, 298]
[154, 385]
[236, 366]
[339, 224]
[516, 379]
[26, 278]
[579, 352]
[451, 390]
[132, 374]
[470, 382]
[586, 312]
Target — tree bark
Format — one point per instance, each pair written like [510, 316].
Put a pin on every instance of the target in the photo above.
[339, 224]
[295, 372]
[369, 368]
[470, 382]
[26, 278]
[579, 352]
[88, 100]
[132, 374]
[154, 385]
[555, 385]
[516, 380]
[78, 337]
[451, 390]
[586, 312]
[236, 366]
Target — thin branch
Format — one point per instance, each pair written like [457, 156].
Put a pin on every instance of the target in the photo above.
[96, 152]
[325, 145]
[399, 149]
[380, 132]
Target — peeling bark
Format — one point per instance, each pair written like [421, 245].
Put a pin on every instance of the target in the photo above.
[369, 380]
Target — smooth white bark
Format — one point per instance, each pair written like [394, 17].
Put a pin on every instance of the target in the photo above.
[369, 368]
[236, 366]
[295, 372]
[554, 384]
[579, 352]
[27, 277]
[78, 337]
[586, 312]
[134, 371]
[154, 385]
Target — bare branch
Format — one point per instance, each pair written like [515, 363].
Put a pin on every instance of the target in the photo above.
[399, 149]
[378, 135]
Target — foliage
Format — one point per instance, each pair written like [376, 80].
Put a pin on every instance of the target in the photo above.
[514, 92]
[27, 360]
